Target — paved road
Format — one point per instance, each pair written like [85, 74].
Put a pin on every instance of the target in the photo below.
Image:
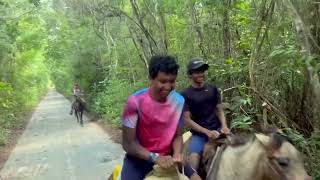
[55, 147]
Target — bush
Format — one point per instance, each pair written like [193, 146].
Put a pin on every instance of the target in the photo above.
[111, 98]
[313, 152]
[4, 134]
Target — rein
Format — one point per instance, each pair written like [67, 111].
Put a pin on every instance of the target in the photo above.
[214, 167]
[273, 165]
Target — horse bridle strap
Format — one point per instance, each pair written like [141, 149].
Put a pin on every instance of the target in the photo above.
[274, 166]
[214, 166]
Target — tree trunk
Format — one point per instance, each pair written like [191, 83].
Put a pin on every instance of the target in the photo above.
[142, 54]
[265, 16]
[308, 33]
[197, 27]
[151, 42]
[163, 26]
[226, 30]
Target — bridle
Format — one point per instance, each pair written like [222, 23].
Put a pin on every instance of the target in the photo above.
[275, 167]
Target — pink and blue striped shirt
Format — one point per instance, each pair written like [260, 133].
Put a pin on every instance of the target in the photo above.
[156, 122]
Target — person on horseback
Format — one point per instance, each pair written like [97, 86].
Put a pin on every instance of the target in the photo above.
[76, 94]
[203, 111]
[153, 125]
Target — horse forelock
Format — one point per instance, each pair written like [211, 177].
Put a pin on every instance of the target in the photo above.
[237, 140]
[278, 140]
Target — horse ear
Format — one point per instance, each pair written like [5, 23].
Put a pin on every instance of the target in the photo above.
[271, 130]
[271, 142]
[264, 139]
[235, 140]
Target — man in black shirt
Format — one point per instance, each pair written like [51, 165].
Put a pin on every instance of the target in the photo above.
[203, 111]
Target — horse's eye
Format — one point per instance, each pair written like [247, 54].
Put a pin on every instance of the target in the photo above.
[283, 162]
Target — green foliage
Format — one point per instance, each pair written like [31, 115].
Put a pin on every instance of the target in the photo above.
[242, 122]
[313, 152]
[7, 119]
[296, 137]
[6, 99]
[23, 75]
[241, 111]
[4, 135]
[6, 96]
[35, 2]
[309, 147]
[110, 101]
[104, 45]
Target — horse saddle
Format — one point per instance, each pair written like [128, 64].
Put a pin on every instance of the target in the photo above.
[159, 173]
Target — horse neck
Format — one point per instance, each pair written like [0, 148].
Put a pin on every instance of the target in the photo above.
[243, 162]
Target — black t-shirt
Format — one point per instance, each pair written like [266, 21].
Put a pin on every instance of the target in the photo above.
[202, 104]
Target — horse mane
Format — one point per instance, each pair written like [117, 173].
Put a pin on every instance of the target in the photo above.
[239, 140]
[238, 144]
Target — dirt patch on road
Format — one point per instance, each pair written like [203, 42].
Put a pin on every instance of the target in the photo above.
[113, 131]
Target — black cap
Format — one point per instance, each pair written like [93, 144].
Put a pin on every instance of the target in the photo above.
[197, 64]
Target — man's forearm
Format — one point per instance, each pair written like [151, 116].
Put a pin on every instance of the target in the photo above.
[221, 116]
[222, 119]
[136, 150]
[195, 126]
[178, 145]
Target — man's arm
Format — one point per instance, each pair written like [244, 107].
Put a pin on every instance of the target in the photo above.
[222, 119]
[196, 127]
[132, 147]
[130, 144]
[178, 145]
[129, 130]
[193, 125]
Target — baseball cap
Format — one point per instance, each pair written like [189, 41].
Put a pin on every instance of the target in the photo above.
[196, 64]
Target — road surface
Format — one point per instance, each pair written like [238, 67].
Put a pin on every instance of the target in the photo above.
[55, 147]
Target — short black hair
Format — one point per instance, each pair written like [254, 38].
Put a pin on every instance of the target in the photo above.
[166, 64]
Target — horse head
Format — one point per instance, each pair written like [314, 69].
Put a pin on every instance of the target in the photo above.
[282, 161]
[261, 157]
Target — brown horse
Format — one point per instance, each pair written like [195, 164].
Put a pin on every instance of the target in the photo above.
[78, 107]
[260, 157]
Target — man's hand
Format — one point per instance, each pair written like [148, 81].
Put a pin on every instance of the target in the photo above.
[212, 134]
[165, 161]
[225, 130]
[178, 158]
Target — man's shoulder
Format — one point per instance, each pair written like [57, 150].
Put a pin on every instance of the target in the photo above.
[177, 96]
[140, 92]
[212, 86]
[137, 95]
[186, 91]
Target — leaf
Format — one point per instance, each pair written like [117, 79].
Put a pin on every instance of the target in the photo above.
[229, 61]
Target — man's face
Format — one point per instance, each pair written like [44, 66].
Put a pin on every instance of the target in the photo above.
[163, 84]
[198, 76]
